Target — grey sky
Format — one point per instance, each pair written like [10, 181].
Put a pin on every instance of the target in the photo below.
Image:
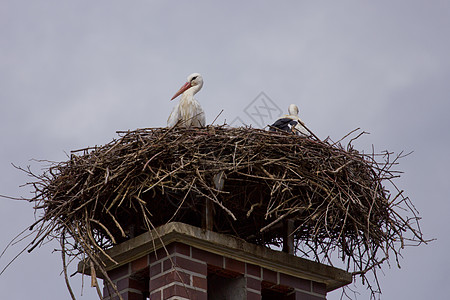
[74, 72]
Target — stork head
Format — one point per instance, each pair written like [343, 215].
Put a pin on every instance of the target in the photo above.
[293, 110]
[194, 81]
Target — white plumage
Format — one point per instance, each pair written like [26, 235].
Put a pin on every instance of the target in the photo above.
[188, 112]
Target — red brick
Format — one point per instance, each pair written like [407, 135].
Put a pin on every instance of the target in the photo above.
[253, 270]
[254, 284]
[155, 269]
[298, 283]
[186, 264]
[319, 288]
[129, 296]
[303, 296]
[270, 276]
[107, 290]
[168, 263]
[119, 272]
[179, 248]
[156, 295]
[117, 298]
[222, 272]
[234, 265]
[199, 282]
[130, 283]
[158, 255]
[253, 296]
[209, 258]
[139, 264]
[134, 296]
[183, 291]
[174, 276]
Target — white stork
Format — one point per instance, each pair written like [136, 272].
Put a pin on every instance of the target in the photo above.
[188, 112]
[291, 122]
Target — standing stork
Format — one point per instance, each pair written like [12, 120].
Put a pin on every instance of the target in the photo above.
[188, 112]
[291, 123]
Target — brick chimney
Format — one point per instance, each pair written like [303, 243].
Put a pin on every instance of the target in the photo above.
[180, 261]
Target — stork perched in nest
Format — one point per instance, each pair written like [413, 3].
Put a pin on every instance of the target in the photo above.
[188, 112]
[291, 122]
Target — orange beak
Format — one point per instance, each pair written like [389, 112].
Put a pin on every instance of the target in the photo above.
[186, 86]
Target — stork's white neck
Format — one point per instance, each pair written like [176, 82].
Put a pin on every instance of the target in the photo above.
[189, 93]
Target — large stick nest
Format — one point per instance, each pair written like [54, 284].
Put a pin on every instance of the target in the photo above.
[336, 197]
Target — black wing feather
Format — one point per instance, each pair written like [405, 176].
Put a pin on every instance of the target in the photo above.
[284, 124]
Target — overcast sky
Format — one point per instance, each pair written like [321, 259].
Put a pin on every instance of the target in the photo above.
[74, 72]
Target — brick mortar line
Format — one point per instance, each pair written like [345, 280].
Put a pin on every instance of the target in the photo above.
[196, 274]
[125, 291]
[254, 291]
[178, 269]
[156, 291]
[176, 266]
[253, 277]
[155, 263]
[120, 278]
[129, 273]
[181, 285]
[162, 259]
[178, 255]
[190, 258]
[191, 287]
[172, 255]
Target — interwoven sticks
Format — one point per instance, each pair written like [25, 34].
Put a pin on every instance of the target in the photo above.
[336, 197]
